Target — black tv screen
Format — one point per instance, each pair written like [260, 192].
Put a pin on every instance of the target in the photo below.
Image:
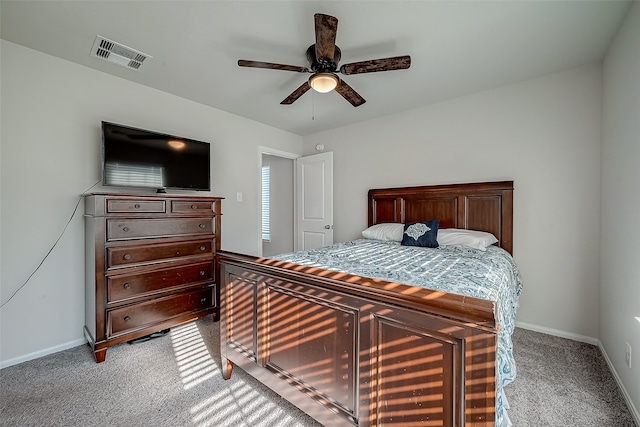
[141, 158]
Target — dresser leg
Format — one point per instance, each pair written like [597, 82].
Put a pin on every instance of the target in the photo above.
[101, 355]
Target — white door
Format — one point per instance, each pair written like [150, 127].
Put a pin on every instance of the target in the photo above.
[314, 201]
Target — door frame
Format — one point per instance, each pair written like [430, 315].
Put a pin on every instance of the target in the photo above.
[287, 155]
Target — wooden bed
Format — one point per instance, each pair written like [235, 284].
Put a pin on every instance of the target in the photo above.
[351, 350]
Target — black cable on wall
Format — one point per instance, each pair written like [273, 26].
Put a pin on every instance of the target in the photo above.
[52, 247]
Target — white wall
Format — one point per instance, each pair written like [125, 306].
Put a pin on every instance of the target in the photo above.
[544, 134]
[50, 154]
[620, 232]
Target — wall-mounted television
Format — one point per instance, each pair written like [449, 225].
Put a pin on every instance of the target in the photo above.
[140, 158]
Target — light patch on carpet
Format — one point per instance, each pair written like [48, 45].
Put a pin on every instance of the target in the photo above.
[192, 356]
[238, 404]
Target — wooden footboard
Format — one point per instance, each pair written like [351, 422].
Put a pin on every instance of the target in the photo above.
[355, 351]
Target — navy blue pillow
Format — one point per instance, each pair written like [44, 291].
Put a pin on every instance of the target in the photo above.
[421, 234]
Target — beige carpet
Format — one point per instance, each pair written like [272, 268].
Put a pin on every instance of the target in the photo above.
[561, 382]
[175, 380]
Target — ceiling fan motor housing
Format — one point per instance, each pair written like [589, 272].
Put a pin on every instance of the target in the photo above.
[323, 65]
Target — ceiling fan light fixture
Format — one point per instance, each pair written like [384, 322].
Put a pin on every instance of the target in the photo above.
[324, 82]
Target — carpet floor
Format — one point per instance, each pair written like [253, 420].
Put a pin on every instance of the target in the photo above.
[175, 380]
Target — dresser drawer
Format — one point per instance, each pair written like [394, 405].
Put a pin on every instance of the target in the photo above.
[157, 227]
[132, 205]
[122, 256]
[192, 206]
[137, 316]
[128, 286]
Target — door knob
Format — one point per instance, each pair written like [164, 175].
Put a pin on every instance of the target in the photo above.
[327, 227]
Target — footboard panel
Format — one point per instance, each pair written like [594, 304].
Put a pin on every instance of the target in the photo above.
[414, 374]
[351, 351]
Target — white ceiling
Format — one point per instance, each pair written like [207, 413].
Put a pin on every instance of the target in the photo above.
[456, 47]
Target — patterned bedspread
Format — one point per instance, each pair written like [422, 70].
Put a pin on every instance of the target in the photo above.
[489, 275]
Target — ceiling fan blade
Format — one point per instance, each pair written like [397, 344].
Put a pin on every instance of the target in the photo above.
[326, 29]
[373, 65]
[349, 94]
[304, 87]
[271, 66]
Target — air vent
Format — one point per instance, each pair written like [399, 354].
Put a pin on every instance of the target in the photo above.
[118, 54]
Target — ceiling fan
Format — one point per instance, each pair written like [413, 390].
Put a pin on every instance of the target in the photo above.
[323, 57]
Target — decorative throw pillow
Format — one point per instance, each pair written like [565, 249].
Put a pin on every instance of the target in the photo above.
[421, 234]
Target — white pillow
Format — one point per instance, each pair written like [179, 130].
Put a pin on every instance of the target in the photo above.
[385, 231]
[470, 238]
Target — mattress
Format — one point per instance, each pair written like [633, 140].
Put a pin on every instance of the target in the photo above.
[489, 275]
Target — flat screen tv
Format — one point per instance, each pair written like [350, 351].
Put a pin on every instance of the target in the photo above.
[140, 158]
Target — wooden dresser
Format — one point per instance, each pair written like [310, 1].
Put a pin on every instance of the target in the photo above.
[150, 262]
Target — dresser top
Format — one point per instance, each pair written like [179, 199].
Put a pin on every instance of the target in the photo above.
[154, 195]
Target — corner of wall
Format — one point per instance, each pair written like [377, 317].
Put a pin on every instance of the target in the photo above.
[627, 398]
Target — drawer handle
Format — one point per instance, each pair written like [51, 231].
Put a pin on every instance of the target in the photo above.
[127, 256]
[125, 229]
[202, 225]
[202, 248]
[126, 286]
[127, 318]
[194, 206]
[202, 272]
[203, 300]
[137, 206]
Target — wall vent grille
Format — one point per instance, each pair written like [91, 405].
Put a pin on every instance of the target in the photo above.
[118, 53]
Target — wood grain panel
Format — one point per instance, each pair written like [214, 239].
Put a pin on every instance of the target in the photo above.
[384, 210]
[444, 209]
[241, 305]
[123, 229]
[130, 255]
[415, 379]
[312, 342]
[154, 311]
[136, 285]
[486, 214]
[480, 384]
[128, 205]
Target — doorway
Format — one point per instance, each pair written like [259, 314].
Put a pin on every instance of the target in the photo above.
[297, 201]
[277, 204]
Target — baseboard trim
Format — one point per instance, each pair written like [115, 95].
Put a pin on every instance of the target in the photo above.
[41, 353]
[558, 333]
[625, 394]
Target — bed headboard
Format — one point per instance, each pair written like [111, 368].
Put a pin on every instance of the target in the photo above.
[484, 206]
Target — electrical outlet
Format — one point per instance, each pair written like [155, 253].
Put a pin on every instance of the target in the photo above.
[627, 355]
